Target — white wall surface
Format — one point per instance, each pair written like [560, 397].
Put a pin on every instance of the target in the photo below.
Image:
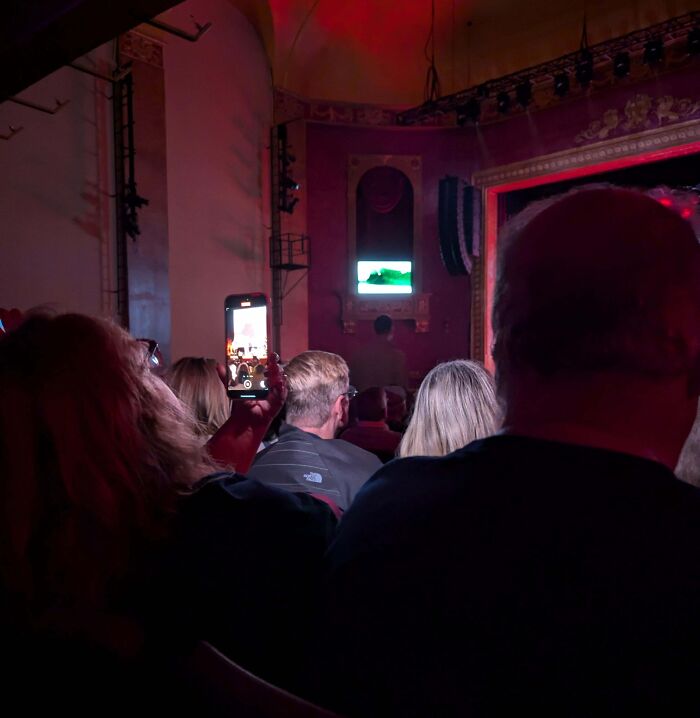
[218, 112]
[55, 211]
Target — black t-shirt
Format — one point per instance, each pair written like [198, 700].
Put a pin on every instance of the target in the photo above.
[300, 461]
[516, 576]
[243, 572]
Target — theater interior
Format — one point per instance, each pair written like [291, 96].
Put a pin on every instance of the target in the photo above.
[159, 156]
[455, 493]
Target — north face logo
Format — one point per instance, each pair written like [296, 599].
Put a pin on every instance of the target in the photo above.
[314, 477]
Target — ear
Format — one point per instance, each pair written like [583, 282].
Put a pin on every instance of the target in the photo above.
[340, 408]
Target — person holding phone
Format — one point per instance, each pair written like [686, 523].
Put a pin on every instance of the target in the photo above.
[123, 542]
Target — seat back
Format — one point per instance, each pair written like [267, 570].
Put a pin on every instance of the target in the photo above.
[221, 687]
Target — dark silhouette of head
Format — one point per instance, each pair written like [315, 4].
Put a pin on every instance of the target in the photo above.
[383, 325]
[371, 404]
[597, 320]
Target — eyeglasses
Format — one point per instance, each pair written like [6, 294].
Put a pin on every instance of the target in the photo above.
[152, 357]
[351, 393]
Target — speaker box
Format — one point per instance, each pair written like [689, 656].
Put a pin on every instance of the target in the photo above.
[458, 214]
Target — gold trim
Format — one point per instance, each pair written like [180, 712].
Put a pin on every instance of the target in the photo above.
[657, 139]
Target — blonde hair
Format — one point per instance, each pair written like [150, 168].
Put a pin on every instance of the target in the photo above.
[316, 379]
[197, 384]
[455, 404]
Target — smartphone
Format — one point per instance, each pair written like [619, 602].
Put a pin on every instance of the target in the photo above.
[246, 317]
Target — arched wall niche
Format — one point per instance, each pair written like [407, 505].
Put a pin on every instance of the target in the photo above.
[398, 188]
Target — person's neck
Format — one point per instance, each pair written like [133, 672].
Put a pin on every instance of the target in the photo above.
[634, 416]
[325, 431]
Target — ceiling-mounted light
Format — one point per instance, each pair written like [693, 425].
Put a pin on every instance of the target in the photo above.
[694, 41]
[653, 51]
[468, 112]
[621, 64]
[584, 67]
[503, 102]
[523, 93]
[561, 84]
[483, 90]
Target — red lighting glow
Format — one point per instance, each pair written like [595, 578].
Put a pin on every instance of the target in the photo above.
[491, 217]
[665, 201]
[686, 213]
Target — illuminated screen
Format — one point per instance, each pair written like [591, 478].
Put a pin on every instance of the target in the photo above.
[246, 348]
[378, 277]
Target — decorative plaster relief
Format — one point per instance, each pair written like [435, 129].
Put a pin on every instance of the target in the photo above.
[142, 48]
[640, 113]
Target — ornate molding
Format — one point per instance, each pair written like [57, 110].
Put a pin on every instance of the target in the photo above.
[649, 140]
[136, 46]
[415, 307]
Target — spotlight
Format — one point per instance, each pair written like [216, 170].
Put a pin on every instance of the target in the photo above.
[503, 102]
[289, 183]
[584, 68]
[561, 85]
[289, 205]
[523, 93]
[468, 112]
[694, 41]
[621, 64]
[653, 51]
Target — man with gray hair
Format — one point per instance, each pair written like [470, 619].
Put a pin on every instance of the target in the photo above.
[552, 569]
[307, 456]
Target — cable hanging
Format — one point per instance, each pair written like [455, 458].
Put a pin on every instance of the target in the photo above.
[432, 80]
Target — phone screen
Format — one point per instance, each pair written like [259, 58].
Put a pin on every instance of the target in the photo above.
[246, 346]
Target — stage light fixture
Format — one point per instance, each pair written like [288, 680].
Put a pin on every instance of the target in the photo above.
[523, 93]
[621, 64]
[468, 112]
[584, 68]
[483, 91]
[694, 41]
[561, 85]
[503, 102]
[289, 183]
[653, 51]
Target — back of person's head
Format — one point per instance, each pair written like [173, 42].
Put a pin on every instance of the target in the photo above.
[599, 280]
[315, 379]
[688, 467]
[197, 384]
[371, 404]
[383, 325]
[455, 405]
[94, 452]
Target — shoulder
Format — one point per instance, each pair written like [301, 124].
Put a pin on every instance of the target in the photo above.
[229, 495]
[345, 448]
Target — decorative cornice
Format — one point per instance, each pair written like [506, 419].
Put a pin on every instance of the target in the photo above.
[649, 140]
[136, 46]
[289, 106]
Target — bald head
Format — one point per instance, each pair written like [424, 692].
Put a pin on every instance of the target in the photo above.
[599, 280]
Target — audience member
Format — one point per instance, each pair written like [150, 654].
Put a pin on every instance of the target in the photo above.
[455, 404]
[371, 432]
[196, 382]
[552, 569]
[307, 456]
[688, 467]
[114, 551]
[379, 363]
[396, 411]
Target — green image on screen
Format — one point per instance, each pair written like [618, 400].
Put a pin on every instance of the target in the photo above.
[384, 277]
